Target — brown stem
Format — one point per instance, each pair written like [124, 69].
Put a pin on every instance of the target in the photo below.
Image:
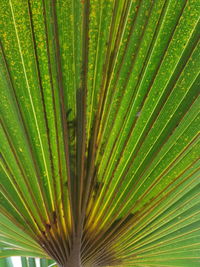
[75, 253]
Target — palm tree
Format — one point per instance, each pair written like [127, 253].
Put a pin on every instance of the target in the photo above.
[100, 132]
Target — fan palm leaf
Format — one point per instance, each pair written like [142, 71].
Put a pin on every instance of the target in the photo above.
[100, 132]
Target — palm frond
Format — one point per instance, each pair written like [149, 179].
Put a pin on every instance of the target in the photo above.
[100, 132]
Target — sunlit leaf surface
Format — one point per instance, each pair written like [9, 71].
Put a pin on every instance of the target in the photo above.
[100, 132]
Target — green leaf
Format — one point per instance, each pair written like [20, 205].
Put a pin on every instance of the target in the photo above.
[99, 132]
